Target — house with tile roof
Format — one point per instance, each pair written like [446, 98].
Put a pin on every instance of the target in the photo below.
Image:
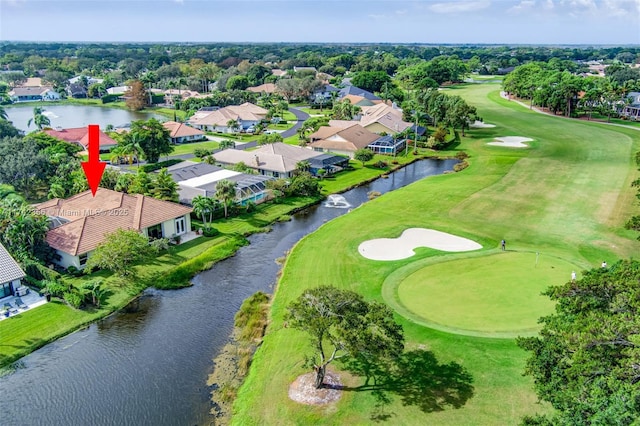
[341, 140]
[181, 133]
[11, 274]
[263, 88]
[277, 159]
[80, 137]
[382, 118]
[246, 115]
[79, 224]
[33, 93]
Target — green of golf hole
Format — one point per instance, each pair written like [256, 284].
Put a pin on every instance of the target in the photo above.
[500, 293]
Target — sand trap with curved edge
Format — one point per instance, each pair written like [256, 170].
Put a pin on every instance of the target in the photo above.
[402, 247]
[481, 125]
[511, 141]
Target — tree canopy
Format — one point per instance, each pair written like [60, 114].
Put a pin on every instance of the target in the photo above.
[586, 360]
[119, 251]
[153, 139]
[342, 324]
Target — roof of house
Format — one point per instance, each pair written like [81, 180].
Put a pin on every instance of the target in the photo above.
[88, 219]
[296, 69]
[350, 138]
[80, 135]
[118, 90]
[278, 72]
[277, 157]
[180, 130]
[76, 88]
[266, 88]
[635, 99]
[385, 115]
[190, 169]
[32, 82]
[359, 100]
[9, 268]
[246, 112]
[182, 93]
[353, 90]
[30, 91]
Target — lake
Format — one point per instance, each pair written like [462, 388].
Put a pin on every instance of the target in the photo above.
[67, 116]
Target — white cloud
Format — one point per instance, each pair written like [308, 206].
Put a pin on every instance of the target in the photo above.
[401, 12]
[523, 6]
[459, 6]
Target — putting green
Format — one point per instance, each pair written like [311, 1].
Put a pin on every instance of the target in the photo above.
[496, 295]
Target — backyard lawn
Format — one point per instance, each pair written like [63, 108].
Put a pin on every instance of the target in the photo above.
[565, 197]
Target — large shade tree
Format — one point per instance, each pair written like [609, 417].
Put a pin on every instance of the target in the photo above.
[152, 137]
[586, 359]
[119, 251]
[342, 324]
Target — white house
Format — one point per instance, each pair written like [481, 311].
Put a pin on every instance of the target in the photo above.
[79, 224]
[246, 115]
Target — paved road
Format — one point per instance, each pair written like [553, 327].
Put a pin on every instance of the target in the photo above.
[301, 117]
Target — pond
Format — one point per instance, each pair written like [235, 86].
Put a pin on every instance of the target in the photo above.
[148, 364]
[68, 116]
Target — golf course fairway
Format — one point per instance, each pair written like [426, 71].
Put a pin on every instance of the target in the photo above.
[566, 196]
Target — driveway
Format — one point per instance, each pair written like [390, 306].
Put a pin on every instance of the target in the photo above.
[301, 117]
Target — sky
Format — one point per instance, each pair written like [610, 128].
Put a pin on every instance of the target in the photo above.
[602, 22]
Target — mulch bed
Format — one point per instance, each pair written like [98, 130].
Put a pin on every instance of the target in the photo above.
[303, 389]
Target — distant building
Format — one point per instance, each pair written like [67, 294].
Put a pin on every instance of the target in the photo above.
[80, 136]
[11, 274]
[181, 133]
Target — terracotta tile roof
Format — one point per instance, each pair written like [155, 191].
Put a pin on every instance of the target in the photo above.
[30, 91]
[277, 157]
[9, 268]
[350, 138]
[179, 130]
[80, 135]
[385, 115]
[266, 88]
[247, 111]
[91, 218]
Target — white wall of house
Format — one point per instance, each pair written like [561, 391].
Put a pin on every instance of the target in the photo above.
[335, 151]
[67, 260]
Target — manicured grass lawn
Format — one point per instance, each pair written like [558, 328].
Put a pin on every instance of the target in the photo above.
[496, 295]
[566, 197]
[188, 148]
[22, 333]
[287, 115]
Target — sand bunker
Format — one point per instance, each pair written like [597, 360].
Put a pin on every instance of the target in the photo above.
[402, 247]
[481, 125]
[511, 141]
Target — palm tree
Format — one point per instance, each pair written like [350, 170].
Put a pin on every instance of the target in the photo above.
[131, 147]
[3, 113]
[303, 166]
[226, 193]
[203, 206]
[39, 119]
[233, 125]
[165, 188]
[227, 144]
[149, 78]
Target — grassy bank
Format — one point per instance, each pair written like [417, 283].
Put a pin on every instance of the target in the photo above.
[567, 196]
[32, 329]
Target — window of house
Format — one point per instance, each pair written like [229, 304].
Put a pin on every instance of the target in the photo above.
[83, 259]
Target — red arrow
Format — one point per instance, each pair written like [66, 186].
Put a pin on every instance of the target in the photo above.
[94, 168]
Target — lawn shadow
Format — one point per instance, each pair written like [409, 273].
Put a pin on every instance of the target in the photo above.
[417, 378]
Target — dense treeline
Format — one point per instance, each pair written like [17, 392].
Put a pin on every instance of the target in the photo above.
[552, 85]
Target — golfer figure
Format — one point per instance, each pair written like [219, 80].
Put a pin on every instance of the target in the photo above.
[503, 244]
[573, 276]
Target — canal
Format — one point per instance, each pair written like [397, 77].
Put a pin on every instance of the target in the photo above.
[148, 364]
